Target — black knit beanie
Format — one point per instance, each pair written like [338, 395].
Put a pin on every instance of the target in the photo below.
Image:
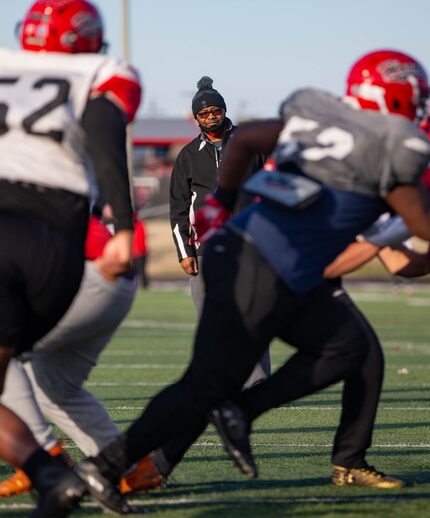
[206, 96]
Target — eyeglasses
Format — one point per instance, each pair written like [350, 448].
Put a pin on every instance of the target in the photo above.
[216, 112]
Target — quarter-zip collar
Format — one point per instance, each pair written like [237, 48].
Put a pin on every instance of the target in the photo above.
[206, 140]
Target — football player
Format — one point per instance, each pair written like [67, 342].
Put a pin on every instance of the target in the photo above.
[40, 386]
[340, 166]
[63, 113]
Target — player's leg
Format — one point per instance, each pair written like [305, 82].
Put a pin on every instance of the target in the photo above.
[330, 346]
[18, 395]
[33, 293]
[234, 330]
[360, 400]
[76, 342]
[197, 287]
[59, 488]
[17, 443]
[40, 271]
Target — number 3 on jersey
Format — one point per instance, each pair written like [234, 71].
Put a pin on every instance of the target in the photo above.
[333, 142]
[59, 97]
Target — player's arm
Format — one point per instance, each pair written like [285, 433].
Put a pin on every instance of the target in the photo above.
[105, 126]
[405, 262]
[353, 257]
[246, 142]
[405, 192]
[412, 204]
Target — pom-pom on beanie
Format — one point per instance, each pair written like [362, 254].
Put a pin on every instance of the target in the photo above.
[206, 96]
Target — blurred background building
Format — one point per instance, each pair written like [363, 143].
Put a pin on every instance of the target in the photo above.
[156, 143]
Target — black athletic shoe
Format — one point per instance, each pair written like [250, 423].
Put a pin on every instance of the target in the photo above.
[60, 499]
[234, 430]
[104, 492]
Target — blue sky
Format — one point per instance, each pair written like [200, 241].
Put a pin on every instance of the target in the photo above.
[257, 51]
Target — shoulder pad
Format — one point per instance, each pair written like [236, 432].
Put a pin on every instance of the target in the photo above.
[121, 84]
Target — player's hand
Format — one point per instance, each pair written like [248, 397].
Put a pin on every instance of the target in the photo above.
[210, 218]
[190, 265]
[117, 255]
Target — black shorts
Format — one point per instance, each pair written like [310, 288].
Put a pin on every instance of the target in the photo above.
[41, 266]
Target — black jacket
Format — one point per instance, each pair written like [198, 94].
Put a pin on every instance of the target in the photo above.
[195, 174]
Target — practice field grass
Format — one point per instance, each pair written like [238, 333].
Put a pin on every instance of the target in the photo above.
[291, 444]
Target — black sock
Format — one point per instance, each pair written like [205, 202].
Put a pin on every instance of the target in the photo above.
[43, 469]
[161, 463]
[112, 461]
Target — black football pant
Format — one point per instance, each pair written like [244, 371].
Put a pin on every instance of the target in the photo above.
[360, 398]
[41, 267]
[246, 306]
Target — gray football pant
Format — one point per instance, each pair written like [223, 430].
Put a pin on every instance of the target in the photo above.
[262, 369]
[51, 383]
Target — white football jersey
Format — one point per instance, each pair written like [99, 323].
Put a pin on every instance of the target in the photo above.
[42, 100]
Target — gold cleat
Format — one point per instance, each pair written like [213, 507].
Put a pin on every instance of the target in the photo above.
[364, 477]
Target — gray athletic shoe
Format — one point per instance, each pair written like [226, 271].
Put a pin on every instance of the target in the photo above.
[59, 500]
[234, 429]
[103, 491]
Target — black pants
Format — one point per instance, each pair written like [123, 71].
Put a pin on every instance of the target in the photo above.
[41, 267]
[246, 307]
[360, 398]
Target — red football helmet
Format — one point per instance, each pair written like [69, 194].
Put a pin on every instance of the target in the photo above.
[388, 81]
[62, 26]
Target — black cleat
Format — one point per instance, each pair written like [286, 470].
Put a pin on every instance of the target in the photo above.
[104, 492]
[60, 499]
[234, 429]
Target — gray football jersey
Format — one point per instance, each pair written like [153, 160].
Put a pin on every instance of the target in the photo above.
[354, 150]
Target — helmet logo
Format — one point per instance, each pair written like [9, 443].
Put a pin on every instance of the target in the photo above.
[86, 25]
[42, 31]
[392, 71]
[68, 39]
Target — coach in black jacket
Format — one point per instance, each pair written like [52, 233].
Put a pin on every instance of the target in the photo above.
[195, 171]
[195, 174]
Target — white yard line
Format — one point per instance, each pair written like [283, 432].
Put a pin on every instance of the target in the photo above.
[192, 500]
[184, 365]
[335, 408]
[157, 324]
[140, 366]
[391, 297]
[209, 444]
[137, 384]
[149, 384]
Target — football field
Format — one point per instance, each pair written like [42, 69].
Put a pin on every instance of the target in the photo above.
[291, 444]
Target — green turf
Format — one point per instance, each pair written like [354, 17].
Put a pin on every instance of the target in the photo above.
[291, 444]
